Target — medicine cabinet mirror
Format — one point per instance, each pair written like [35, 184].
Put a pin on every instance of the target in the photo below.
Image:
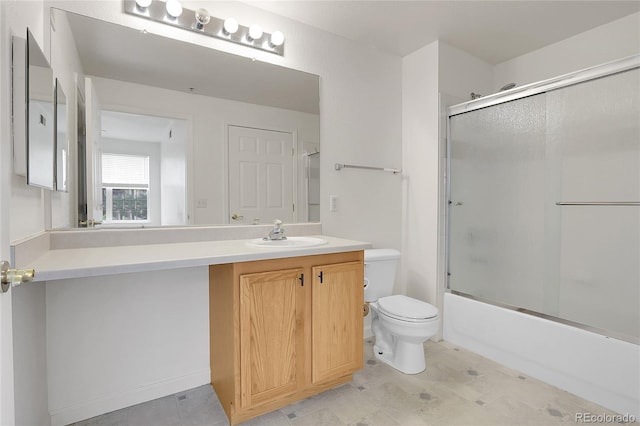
[40, 117]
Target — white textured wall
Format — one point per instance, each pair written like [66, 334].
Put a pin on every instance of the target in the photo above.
[420, 173]
[605, 43]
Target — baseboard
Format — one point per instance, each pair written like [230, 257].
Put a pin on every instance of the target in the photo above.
[67, 415]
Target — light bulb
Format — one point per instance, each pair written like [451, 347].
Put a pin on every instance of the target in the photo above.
[230, 26]
[277, 38]
[143, 4]
[255, 32]
[202, 18]
[174, 8]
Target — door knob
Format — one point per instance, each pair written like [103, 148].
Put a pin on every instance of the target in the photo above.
[14, 277]
[236, 216]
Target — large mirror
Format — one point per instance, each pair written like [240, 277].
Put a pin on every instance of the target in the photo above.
[177, 133]
[40, 117]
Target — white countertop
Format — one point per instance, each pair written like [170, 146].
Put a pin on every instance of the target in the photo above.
[90, 262]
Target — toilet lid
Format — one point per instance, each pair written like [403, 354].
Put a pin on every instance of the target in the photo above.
[406, 307]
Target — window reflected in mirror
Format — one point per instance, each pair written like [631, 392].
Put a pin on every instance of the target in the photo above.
[125, 188]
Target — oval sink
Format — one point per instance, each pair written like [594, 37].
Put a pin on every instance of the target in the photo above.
[290, 242]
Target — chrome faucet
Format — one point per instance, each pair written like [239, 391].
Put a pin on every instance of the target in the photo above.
[277, 233]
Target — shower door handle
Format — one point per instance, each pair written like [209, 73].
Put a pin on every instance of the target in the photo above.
[598, 203]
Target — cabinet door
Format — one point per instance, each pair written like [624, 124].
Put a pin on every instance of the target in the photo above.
[337, 296]
[271, 335]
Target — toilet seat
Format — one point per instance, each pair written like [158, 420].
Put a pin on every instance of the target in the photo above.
[407, 309]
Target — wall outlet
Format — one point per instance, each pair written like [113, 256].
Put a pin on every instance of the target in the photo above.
[201, 203]
[333, 203]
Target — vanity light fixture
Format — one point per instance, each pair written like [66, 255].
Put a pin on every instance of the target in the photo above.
[174, 8]
[202, 18]
[230, 26]
[277, 39]
[171, 12]
[255, 33]
[143, 4]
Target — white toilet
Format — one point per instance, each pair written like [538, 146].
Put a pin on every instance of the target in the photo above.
[399, 323]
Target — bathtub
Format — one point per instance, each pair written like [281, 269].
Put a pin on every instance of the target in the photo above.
[597, 368]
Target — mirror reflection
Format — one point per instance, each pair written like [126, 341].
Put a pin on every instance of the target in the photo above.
[61, 139]
[177, 133]
[40, 117]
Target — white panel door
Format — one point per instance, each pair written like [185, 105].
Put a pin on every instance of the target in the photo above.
[261, 183]
[94, 153]
[7, 405]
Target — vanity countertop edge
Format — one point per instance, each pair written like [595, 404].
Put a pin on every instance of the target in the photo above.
[89, 262]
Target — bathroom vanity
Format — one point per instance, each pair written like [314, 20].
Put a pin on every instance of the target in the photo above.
[283, 330]
[179, 308]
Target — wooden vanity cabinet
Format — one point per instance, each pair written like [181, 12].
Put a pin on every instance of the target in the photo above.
[284, 329]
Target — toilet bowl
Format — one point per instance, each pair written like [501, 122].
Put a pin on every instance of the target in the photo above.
[399, 323]
[400, 331]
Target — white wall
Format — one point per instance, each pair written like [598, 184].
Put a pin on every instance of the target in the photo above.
[434, 76]
[27, 203]
[67, 68]
[25, 216]
[173, 175]
[420, 173]
[114, 341]
[602, 44]
[460, 73]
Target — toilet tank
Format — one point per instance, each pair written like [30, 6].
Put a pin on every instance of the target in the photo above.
[379, 273]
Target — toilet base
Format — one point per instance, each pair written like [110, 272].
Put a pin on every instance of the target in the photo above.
[407, 357]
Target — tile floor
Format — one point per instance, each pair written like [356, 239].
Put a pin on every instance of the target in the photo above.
[458, 388]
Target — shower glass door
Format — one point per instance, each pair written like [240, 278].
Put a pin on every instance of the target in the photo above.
[594, 127]
[542, 213]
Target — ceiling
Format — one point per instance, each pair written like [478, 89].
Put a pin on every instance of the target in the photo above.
[135, 127]
[494, 31]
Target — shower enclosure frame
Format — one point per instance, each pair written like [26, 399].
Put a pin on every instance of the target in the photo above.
[565, 80]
